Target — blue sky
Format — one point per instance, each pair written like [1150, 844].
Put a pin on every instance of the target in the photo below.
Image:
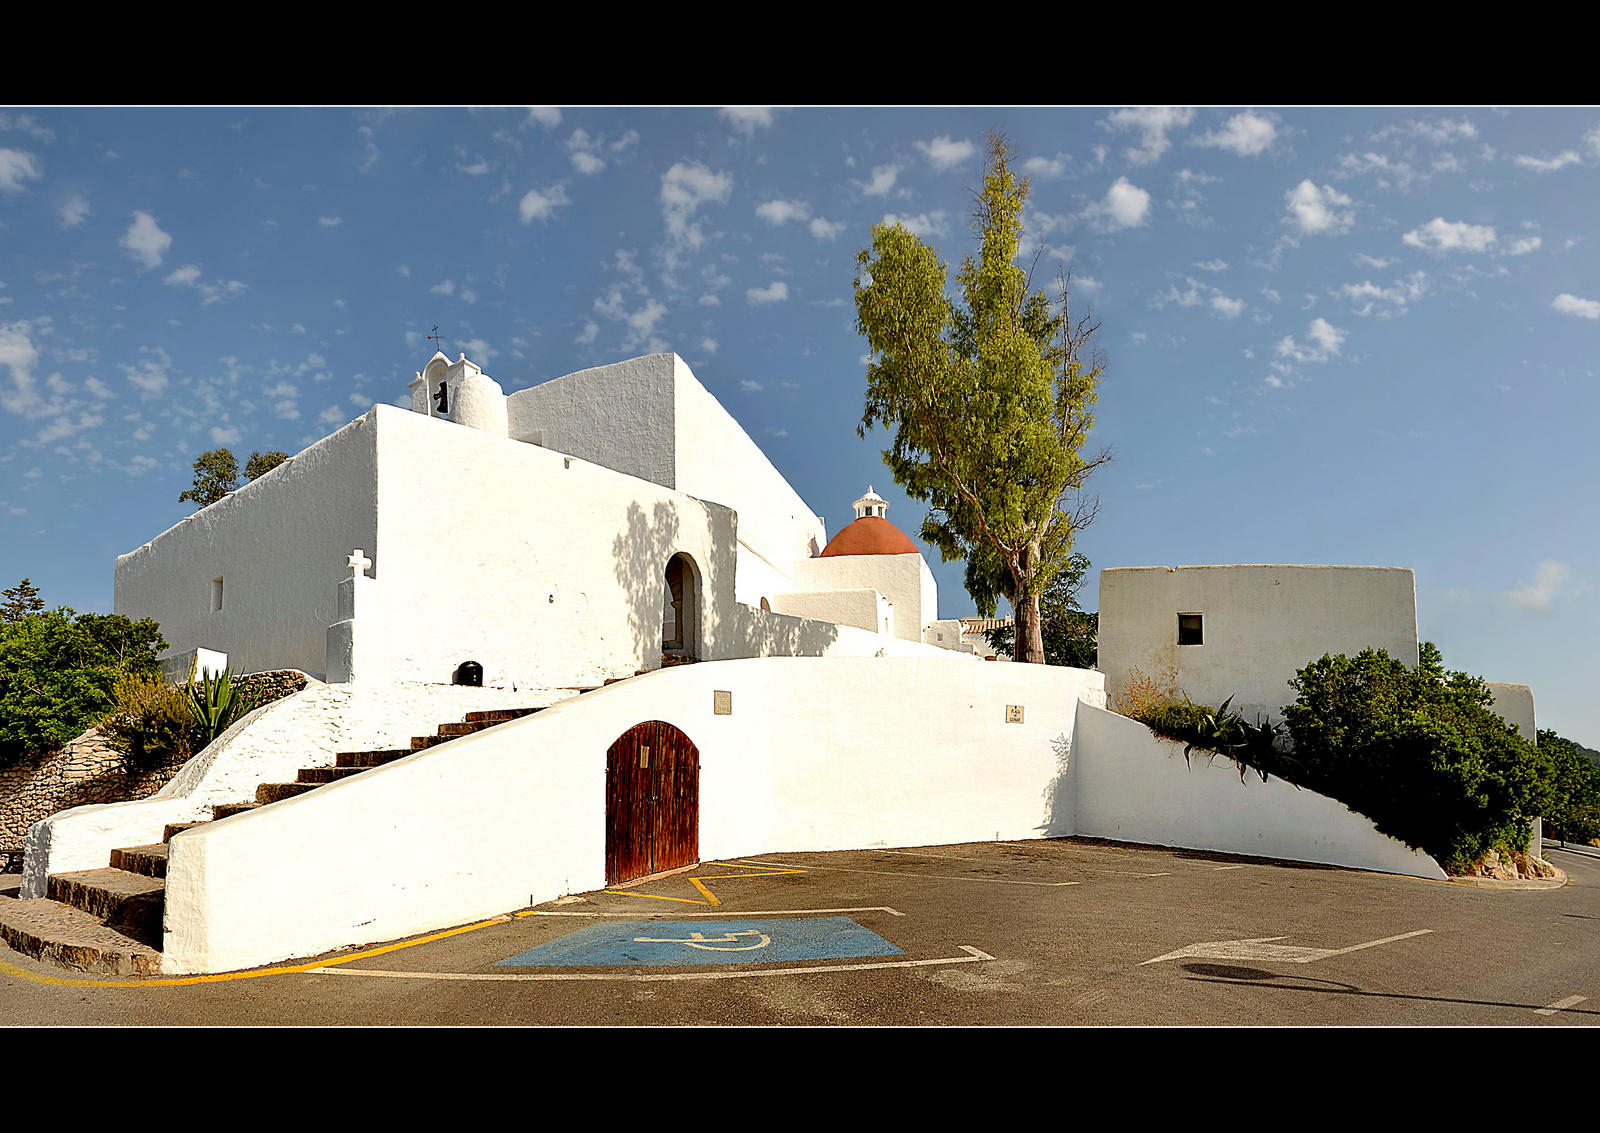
[1334, 335]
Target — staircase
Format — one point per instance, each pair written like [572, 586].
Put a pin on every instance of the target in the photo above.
[110, 920]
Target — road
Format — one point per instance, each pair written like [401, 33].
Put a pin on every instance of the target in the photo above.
[1002, 933]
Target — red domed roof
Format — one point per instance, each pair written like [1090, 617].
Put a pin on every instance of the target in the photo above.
[870, 535]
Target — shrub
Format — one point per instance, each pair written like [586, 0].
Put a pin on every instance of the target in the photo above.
[1138, 696]
[150, 721]
[1419, 751]
[1251, 747]
[57, 671]
[215, 705]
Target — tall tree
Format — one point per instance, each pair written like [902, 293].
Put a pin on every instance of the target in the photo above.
[1069, 634]
[216, 473]
[989, 399]
[260, 463]
[20, 601]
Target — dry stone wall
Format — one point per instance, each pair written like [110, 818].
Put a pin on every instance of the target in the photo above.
[89, 770]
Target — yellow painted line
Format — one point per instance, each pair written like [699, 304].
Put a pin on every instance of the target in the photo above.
[224, 977]
[764, 870]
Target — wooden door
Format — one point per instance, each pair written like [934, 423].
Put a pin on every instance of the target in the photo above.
[652, 802]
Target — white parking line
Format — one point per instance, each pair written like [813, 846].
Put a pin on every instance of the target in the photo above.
[1561, 1004]
[973, 956]
[943, 876]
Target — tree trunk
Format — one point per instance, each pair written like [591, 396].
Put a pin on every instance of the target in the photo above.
[1025, 608]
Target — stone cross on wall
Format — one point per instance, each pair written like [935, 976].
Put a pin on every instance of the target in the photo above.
[358, 564]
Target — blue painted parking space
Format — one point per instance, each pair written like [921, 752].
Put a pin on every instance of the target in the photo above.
[664, 942]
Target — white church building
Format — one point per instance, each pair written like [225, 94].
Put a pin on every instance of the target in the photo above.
[562, 535]
[557, 553]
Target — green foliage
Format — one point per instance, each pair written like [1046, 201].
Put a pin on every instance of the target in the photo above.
[1573, 813]
[1251, 747]
[260, 463]
[1067, 632]
[216, 473]
[216, 705]
[1419, 751]
[150, 720]
[57, 672]
[989, 399]
[20, 601]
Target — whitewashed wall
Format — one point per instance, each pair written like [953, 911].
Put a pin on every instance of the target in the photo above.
[276, 606]
[1133, 786]
[817, 754]
[618, 416]
[764, 634]
[865, 608]
[717, 461]
[270, 745]
[903, 579]
[542, 568]
[1261, 625]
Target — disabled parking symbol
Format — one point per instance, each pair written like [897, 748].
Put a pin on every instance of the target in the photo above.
[681, 942]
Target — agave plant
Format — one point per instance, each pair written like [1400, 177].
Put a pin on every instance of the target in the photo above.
[216, 704]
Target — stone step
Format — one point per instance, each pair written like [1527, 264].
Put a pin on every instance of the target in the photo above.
[320, 775]
[149, 860]
[115, 896]
[276, 792]
[228, 810]
[370, 758]
[422, 743]
[72, 938]
[177, 827]
[501, 715]
[466, 729]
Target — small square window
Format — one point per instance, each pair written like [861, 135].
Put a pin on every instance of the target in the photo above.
[1189, 630]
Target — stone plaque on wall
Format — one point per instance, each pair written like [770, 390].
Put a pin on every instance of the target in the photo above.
[722, 702]
[1013, 714]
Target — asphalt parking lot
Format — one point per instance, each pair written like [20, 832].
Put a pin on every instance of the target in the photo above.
[1061, 932]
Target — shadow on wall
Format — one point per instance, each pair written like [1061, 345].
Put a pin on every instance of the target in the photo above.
[1059, 819]
[639, 556]
[765, 634]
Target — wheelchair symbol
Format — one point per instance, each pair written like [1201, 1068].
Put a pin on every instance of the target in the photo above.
[712, 943]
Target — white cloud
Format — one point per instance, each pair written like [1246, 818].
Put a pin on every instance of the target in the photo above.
[73, 211]
[826, 229]
[776, 292]
[541, 204]
[945, 153]
[221, 436]
[589, 153]
[684, 188]
[1549, 165]
[546, 116]
[1548, 581]
[747, 119]
[447, 287]
[476, 169]
[1326, 341]
[1440, 235]
[591, 331]
[1314, 211]
[883, 178]
[1046, 167]
[16, 167]
[923, 224]
[778, 212]
[144, 241]
[1246, 134]
[18, 354]
[1569, 304]
[1365, 296]
[1197, 292]
[709, 345]
[1125, 206]
[184, 276]
[330, 221]
[1218, 264]
[1153, 123]
[1524, 246]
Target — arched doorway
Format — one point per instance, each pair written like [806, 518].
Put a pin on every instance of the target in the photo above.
[680, 614]
[652, 802]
